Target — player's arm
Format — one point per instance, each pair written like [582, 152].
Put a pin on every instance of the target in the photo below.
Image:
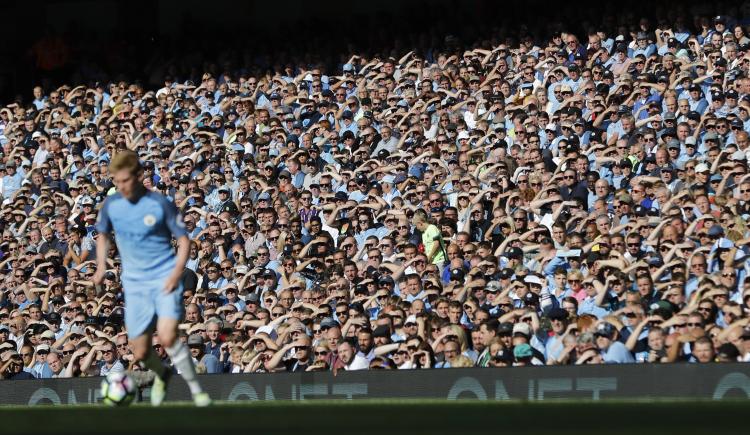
[183, 251]
[104, 228]
[177, 228]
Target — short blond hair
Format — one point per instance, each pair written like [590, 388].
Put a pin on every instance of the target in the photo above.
[125, 160]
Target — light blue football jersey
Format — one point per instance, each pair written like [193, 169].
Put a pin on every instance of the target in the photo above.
[143, 232]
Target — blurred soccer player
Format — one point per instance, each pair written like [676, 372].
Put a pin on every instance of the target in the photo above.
[144, 223]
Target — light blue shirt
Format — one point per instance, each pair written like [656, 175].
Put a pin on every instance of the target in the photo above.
[617, 353]
[12, 183]
[143, 232]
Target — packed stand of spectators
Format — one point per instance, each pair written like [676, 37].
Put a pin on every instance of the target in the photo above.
[555, 201]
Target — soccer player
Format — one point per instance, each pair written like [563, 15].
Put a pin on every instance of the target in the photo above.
[144, 223]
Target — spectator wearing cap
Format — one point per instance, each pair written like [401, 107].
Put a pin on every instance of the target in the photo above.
[524, 334]
[643, 46]
[553, 345]
[204, 362]
[389, 189]
[690, 151]
[41, 369]
[11, 181]
[646, 96]
[611, 350]
[696, 99]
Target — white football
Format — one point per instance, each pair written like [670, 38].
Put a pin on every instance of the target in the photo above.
[118, 389]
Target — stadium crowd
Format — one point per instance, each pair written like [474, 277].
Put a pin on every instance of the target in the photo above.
[524, 201]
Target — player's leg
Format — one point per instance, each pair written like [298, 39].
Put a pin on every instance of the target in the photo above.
[143, 351]
[140, 314]
[139, 321]
[181, 358]
[169, 309]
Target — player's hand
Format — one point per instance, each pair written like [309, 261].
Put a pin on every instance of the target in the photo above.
[171, 283]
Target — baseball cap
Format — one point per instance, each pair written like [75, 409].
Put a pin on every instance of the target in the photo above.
[724, 243]
[728, 351]
[390, 179]
[655, 262]
[522, 351]
[252, 298]
[381, 331]
[661, 307]
[386, 280]
[329, 322]
[513, 253]
[493, 286]
[505, 328]
[701, 167]
[605, 330]
[532, 279]
[506, 273]
[522, 328]
[195, 340]
[710, 136]
[738, 156]
[557, 313]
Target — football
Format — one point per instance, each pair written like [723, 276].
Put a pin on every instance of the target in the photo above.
[118, 389]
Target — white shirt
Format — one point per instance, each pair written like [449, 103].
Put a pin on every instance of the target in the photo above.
[358, 363]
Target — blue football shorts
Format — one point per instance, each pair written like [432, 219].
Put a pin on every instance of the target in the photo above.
[145, 301]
